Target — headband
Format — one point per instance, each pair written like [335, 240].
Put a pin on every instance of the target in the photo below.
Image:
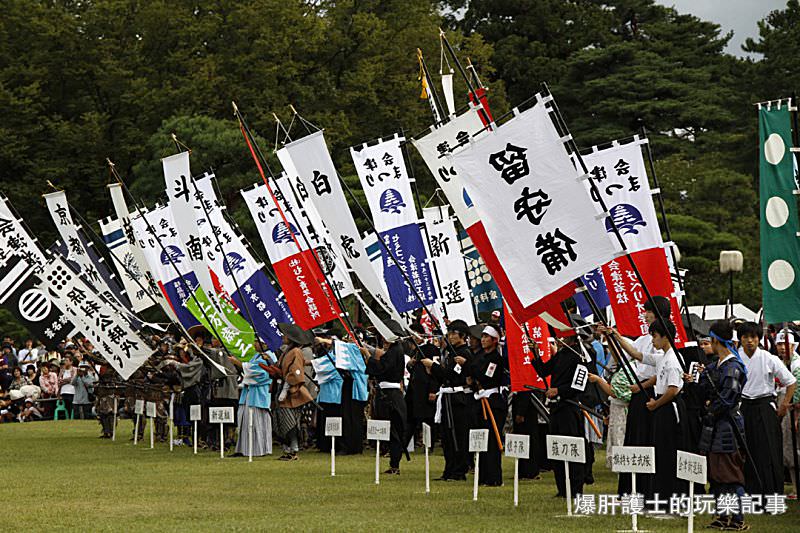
[730, 346]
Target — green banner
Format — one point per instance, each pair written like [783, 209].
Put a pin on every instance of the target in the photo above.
[238, 339]
[780, 250]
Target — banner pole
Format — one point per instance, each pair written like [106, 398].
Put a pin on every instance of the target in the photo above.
[258, 157]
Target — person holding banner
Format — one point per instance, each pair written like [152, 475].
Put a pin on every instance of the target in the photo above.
[487, 371]
[565, 416]
[722, 383]
[667, 408]
[638, 425]
[290, 380]
[455, 420]
[762, 427]
[255, 397]
[386, 366]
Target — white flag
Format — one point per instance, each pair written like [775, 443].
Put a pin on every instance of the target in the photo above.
[621, 179]
[455, 299]
[539, 219]
[110, 333]
[133, 279]
[310, 158]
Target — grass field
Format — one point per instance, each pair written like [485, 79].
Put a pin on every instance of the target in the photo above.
[59, 476]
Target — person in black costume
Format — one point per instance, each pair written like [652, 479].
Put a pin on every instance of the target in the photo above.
[451, 374]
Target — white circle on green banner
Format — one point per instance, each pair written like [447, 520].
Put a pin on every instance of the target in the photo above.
[777, 212]
[780, 274]
[774, 149]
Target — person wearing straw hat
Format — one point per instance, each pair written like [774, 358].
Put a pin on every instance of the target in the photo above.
[290, 385]
[386, 366]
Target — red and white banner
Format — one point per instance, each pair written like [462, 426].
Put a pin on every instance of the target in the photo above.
[627, 295]
[434, 148]
[308, 295]
[520, 358]
[539, 219]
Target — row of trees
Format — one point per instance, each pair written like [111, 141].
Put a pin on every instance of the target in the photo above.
[84, 80]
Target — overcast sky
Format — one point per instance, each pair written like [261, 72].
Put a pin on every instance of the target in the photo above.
[740, 16]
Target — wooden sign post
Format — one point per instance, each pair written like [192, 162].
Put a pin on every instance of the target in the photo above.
[427, 441]
[151, 414]
[333, 429]
[569, 450]
[692, 468]
[221, 416]
[518, 447]
[378, 430]
[478, 442]
[138, 408]
[634, 460]
[195, 414]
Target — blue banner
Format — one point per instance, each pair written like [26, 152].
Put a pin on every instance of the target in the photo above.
[266, 307]
[596, 287]
[178, 290]
[405, 244]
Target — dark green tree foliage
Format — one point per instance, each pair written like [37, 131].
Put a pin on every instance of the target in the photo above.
[84, 80]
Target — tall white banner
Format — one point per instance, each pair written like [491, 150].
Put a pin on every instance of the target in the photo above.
[454, 301]
[80, 251]
[436, 145]
[539, 219]
[124, 217]
[385, 181]
[110, 333]
[310, 158]
[134, 281]
[621, 178]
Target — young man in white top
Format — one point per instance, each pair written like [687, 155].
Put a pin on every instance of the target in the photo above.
[667, 409]
[761, 413]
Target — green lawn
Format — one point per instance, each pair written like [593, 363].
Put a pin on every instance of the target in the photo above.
[60, 476]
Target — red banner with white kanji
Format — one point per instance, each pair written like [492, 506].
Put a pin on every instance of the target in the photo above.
[311, 305]
[627, 295]
[520, 358]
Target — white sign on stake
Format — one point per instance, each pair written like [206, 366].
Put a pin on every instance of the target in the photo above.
[569, 450]
[333, 429]
[478, 442]
[634, 460]
[151, 409]
[138, 407]
[220, 415]
[692, 468]
[426, 443]
[378, 430]
[333, 426]
[518, 447]
[195, 414]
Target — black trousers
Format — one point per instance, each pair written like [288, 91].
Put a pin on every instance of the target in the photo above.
[668, 437]
[638, 432]
[490, 471]
[391, 406]
[567, 420]
[762, 431]
[455, 451]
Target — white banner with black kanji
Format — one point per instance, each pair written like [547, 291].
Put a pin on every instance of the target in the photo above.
[455, 300]
[539, 218]
[110, 333]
